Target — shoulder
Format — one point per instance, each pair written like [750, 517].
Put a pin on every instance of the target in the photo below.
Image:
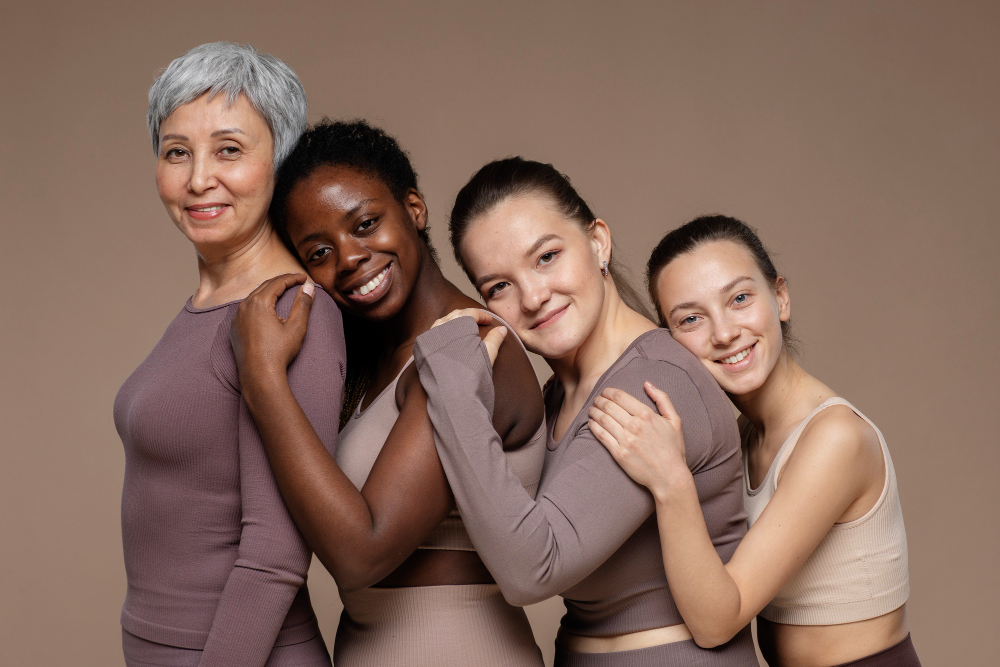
[519, 408]
[837, 442]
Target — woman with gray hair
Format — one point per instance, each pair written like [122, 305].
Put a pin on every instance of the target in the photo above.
[216, 567]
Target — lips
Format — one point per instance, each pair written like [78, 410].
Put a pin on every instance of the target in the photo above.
[549, 318]
[207, 211]
[739, 360]
[373, 289]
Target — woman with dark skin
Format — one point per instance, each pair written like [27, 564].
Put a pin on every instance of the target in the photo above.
[346, 202]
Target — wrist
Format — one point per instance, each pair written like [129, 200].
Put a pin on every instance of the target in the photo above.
[261, 380]
[674, 488]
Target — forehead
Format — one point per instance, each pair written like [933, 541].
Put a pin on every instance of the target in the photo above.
[337, 189]
[503, 235]
[205, 114]
[700, 274]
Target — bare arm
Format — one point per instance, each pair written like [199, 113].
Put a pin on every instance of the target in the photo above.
[360, 536]
[831, 466]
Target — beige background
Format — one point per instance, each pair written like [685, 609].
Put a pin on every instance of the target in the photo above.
[861, 138]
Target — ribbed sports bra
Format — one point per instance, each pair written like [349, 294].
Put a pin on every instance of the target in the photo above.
[362, 438]
[859, 570]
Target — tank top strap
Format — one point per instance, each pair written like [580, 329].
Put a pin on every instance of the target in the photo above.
[789, 445]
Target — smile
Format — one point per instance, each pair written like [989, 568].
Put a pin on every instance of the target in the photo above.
[207, 211]
[371, 284]
[736, 358]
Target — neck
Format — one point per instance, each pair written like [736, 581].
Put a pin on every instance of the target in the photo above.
[617, 326]
[781, 400]
[433, 296]
[230, 272]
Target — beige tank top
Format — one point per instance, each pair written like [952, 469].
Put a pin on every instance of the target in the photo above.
[361, 440]
[859, 570]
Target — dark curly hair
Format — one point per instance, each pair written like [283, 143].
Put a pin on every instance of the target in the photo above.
[705, 229]
[371, 151]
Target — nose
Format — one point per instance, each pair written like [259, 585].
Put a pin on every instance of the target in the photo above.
[350, 255]
[203, 177]
[534, 294]
[724, 331]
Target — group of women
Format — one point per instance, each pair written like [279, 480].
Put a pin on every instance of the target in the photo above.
[388, 423]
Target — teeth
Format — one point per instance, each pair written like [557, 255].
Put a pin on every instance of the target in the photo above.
[208, 208]
[737, 357]
[371, 284]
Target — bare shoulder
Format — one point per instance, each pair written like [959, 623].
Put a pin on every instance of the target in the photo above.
[518, 411]
[840, 443]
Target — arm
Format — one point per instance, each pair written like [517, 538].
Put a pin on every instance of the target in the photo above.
[273, 559]
[360, 536]
[534, 548]
[818, 484]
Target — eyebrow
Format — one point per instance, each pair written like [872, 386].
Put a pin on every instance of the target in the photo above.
[530, 251]
[316, 235]
[725, 288]
[217, 133]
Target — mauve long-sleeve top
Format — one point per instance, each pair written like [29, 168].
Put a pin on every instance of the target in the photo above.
[213, 558]
[590, 533]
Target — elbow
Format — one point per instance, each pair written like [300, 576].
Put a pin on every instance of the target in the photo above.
[354, 574]
[711, 637]
[519, 594]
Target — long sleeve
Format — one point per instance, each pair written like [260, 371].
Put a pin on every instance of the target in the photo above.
[273, 558]
[586, 506]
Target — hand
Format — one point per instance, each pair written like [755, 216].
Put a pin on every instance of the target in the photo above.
[648, 446]
[493, 338]
[264, 344]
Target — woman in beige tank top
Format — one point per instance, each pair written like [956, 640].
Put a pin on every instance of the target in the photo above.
[823, 566]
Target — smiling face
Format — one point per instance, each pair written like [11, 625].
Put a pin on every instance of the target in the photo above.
[215, 171]
[539, 271]
[719, 305]
[356, 240]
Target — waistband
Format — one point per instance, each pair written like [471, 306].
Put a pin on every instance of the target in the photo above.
[899, 655]
[626, 642]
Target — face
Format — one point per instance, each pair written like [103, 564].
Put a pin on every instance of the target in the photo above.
[356, 240]
[215, 171]
[540, 271]
[720, 306]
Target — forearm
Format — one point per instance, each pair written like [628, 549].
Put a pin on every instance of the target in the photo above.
[332, 514]
[703, 589]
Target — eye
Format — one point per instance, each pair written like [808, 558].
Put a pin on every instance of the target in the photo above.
[548, 257]
[175, 154]
[367, 224]
[688, 322]
[741, 299]
[318, 255]
[230, 151]
[495, 289]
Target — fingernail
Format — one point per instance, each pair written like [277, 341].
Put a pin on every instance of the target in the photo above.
[309, 288]
[503, 331]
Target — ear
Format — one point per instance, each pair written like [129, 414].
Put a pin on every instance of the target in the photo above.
[600, 239]
[784, 303]
[417, 209]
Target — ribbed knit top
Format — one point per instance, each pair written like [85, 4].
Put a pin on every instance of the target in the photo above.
[589, 534]
[361, 440]
[859, 570]
[213, 559]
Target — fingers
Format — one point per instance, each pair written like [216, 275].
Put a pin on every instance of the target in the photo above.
[480, 316]
[613, 409]
[627, 401]
[610, 425]
[298, 318]
[604, 437]
[271, 290]
[493, 340]
[662, 402]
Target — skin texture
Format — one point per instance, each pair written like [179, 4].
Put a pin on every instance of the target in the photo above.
[213, 153]
[540, 272]
[718, 304]
[347, 228]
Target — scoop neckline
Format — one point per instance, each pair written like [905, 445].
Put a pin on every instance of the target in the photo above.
[359, 413]
[191, 308]
[552, 444]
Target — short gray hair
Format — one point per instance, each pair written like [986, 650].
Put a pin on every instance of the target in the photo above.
[223, 67]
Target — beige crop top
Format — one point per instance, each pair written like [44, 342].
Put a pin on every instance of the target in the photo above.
[859, 570]
[361, 440]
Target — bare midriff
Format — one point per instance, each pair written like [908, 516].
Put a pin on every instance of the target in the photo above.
[629, 641]
[823, 645]
[438, 567]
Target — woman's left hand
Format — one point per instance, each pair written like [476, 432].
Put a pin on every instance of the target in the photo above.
[263, 343]
[648, 446]
[494, 337]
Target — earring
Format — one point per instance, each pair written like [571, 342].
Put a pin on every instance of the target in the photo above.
[604, 268]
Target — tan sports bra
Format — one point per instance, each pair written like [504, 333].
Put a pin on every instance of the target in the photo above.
[361, 440]
[859, 570]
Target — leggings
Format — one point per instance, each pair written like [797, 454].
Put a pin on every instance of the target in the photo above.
[901, 655]
[737, 652]
[141, 652]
